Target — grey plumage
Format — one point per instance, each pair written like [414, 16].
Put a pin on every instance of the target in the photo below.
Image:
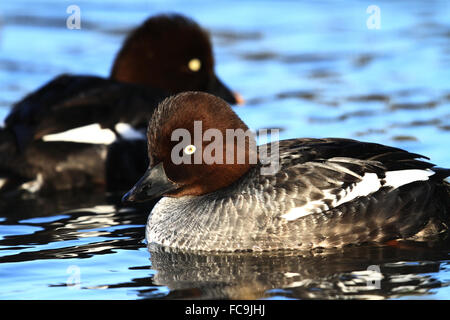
[248, 214]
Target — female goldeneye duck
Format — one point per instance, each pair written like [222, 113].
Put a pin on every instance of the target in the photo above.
[77, 114]
[165, 55]
[327, 192]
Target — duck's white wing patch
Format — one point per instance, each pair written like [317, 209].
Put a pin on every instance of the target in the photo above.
[88, 134]
[369, 183]
[399, 178]
[95, 134]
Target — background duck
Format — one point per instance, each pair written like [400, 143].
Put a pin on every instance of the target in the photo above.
[166, 54]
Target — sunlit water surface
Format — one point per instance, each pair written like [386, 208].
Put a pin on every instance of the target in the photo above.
[311, 69]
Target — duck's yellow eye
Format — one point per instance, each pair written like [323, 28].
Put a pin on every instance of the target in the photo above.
[190, 149]
[194, 64]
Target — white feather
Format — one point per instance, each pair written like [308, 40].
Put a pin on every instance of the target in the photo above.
[369, 183]
[401, 177]
[95, 134]
[88, 134]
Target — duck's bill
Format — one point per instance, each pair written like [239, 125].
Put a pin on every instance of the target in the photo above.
[154, 183]
[217, 88]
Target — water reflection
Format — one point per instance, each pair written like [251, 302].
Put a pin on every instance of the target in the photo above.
[333, 274]
[66, 229]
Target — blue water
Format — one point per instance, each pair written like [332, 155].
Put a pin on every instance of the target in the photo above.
[312, 69]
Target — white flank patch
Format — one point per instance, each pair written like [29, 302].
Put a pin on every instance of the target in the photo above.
[95, 134]
[370, 183]
[2, 182]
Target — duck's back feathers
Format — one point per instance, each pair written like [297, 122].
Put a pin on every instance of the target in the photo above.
[308, 149]
[336, 184]
[68, 102]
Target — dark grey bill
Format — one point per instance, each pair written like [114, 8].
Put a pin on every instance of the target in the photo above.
[217, 88]
[154, 183]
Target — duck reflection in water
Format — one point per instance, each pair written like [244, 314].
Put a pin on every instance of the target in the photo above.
[361, 272]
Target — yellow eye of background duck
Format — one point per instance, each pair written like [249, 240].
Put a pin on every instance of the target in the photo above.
[194, 64]
[190, 149]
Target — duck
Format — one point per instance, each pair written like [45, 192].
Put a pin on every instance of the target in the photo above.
[294, 194]
[83, 131]
[165, 55]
